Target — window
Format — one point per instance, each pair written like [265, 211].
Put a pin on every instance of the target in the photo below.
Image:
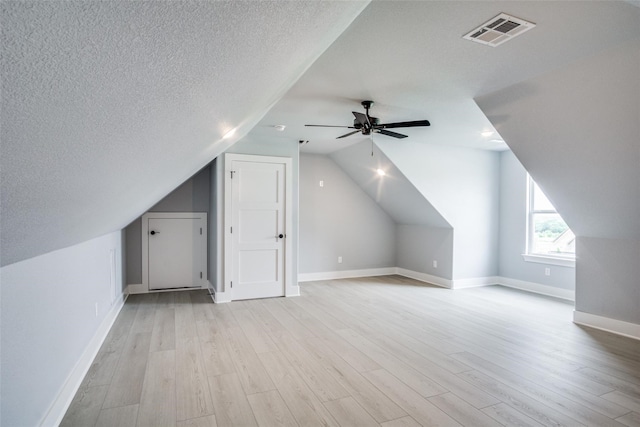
[549, 239]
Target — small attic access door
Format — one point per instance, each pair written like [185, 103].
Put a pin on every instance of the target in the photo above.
[174, 247]
[258, 194]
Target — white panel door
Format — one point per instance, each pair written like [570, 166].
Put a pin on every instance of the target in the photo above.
[175, 259]
[258, 229]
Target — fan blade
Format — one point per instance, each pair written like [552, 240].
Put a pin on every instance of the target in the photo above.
[362, 118]
[412, 124]
[331, 126]
[389, 133]
[348, 134]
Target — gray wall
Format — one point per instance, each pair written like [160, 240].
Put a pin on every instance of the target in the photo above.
[340, 219]
[49, 320]
[418, 246]
[192, 196]
[577, 131]
[463, 185]
[513, 229]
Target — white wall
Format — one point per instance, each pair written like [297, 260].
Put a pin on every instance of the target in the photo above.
[513, 229]
[49, 320]
[577, 131]
[340, 219]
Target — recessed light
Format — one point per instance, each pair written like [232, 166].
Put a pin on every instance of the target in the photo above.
[279, 128]
[381, 172]
[486, 133]
[229, 134]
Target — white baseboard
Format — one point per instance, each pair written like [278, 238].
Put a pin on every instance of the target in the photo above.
[618, 327]
[74, 380]
[346, 274]
[137, 288]
[475, 282]
[537, 288]
[424, 277]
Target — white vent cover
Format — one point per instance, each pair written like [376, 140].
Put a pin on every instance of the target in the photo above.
[498, 30]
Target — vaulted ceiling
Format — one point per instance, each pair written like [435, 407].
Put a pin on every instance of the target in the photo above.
[108, 106]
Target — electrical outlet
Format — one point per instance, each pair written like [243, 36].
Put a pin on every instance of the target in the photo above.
[435, 263]
[339, 260]
[547, 271]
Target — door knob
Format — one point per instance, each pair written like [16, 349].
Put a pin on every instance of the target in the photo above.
[281, 235]
[154, 232]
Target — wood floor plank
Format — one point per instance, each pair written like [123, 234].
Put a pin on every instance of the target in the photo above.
[163, 334]
[348, 413]
[126, 383]
[415, 405]
[230, 401]
[209, 421]
[509, 416]
[192, 385]
[387, 350]
[410, 376]
[301, 400]
[461, 411]
[632, 419]
[401, 422]
[270, 410]
[252, 375]
[122, 416]
[158, 400]
[366, 394]
[85, 407]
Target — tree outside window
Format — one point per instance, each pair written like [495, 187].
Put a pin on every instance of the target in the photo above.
[548, 234]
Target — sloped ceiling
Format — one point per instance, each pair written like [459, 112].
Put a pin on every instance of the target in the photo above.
[410, 58]
[399, 198]
[108, 106]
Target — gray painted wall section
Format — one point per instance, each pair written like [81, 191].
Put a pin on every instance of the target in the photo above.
[418, 246]
[577, 131]
[48, 321]
[513, 229]
[192, 196]
[463, 185]
[340, 219]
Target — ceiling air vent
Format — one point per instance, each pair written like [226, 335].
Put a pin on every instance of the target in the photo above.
[498, 30]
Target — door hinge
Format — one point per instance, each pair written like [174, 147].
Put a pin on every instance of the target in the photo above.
[232, 172]
[232, 284]
[201, 231]
[231, 230]
[201, 274]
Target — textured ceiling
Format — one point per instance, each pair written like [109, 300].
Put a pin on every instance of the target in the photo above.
[411, 59]
[108, 106]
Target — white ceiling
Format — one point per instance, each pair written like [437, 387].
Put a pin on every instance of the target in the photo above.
[108, 106]
[410, 58]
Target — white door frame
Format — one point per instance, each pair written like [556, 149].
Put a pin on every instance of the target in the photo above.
[289, 288]
[145, 244]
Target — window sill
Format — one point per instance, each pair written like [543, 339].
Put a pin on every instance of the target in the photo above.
[542, 259]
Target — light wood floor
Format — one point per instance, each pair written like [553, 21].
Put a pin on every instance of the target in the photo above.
[361, 352]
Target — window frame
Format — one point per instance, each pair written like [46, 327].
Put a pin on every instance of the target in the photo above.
[530, 255]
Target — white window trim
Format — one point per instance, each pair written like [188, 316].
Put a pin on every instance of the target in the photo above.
[563, 261]
[553, 260]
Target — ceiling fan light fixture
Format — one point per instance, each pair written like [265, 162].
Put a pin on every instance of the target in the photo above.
[381, 172]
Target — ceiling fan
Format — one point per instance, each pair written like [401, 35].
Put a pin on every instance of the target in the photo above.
[366, 124]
